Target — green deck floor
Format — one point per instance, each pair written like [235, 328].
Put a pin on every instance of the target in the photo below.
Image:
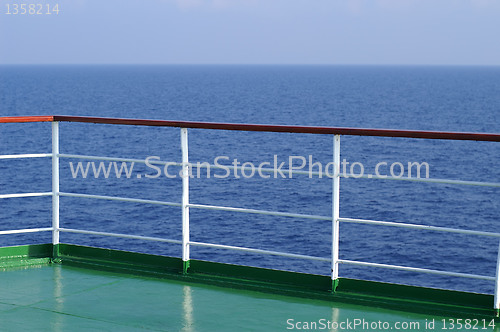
[66, 298]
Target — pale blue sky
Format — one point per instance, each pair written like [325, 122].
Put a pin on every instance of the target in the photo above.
[454, 32]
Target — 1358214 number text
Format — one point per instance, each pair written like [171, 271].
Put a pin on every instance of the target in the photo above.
[31, 9]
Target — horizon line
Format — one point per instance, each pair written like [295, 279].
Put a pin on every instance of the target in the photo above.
[254, 64]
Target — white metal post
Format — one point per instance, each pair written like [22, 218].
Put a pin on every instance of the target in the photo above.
[497, 284]
[55, 183]
[185, 200]
[335, 211]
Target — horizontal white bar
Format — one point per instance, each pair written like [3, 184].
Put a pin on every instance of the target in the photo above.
[194, 165]
[414, 269]
[126, 236]
[27, 230]
[284, 171]
[129, 160]
[271, 213]
[120, 199]
[25, 195]
[431, 228]
[263, 169]
[445, 181]
[258, 251]
[26, 155]
[367, 176]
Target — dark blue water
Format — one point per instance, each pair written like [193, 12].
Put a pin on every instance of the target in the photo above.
[425, 98]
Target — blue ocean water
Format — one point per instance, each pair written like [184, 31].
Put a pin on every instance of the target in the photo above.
[420, 98]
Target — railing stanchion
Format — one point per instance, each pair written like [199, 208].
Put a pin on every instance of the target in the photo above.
[497, 284]
[185, 200]
[335, 212]
[55, 186]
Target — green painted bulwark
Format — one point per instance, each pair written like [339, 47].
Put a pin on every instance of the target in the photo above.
[415, 299]
[116, 260]
[369, 293]
[18, 256]
[234, 274]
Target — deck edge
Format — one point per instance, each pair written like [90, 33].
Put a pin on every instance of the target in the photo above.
[360, 292]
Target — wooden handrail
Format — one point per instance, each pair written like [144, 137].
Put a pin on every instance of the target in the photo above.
[18, 119]
[264, 128]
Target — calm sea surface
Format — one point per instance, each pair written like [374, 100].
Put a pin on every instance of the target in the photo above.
[420, 98]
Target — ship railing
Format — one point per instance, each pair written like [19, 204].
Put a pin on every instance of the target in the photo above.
[186, 205]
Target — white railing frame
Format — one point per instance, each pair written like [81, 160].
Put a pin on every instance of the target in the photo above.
[185, 199]
[335, 212]
[26, 155]
[497, 283]
[55, 183]
[186, 205]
